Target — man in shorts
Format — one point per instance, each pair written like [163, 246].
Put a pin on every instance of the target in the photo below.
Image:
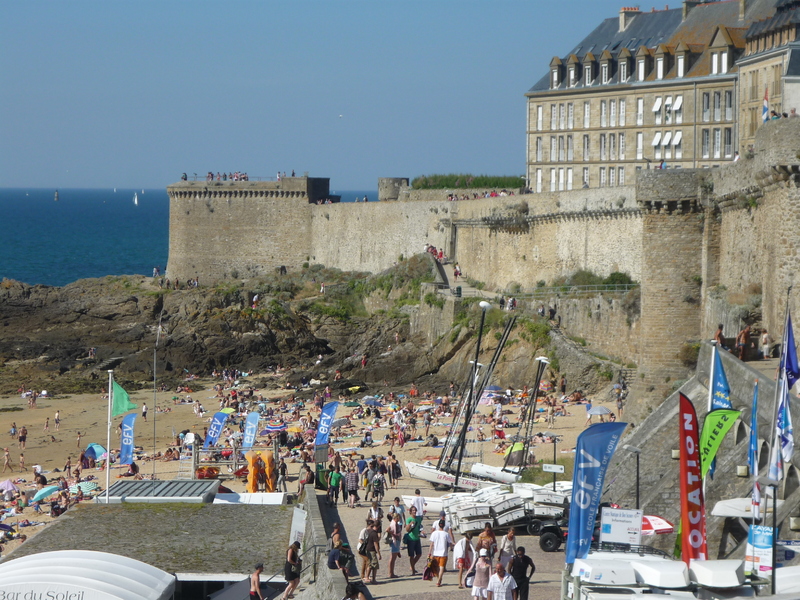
[440, 546]
[255, 583]
[414, 545]
[334, 483]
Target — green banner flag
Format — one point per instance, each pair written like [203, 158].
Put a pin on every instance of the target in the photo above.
[716, 425]
[121, 401]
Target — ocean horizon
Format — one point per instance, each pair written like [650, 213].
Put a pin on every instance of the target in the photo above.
[89, 232]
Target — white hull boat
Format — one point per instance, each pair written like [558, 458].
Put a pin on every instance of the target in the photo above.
[428, 472]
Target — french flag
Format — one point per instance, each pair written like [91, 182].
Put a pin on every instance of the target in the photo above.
[765, 111]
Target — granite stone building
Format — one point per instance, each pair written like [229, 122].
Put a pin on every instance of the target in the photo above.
[647, 87]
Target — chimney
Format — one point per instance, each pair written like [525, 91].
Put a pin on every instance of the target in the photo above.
[742, 9]
[688, 5]
[626, 15]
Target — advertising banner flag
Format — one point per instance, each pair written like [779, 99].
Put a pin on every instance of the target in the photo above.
[693, 511]
[720, 390]
[716, 424]
[215, 429]
[126, 441]
[326, 417]
[595, 447]
[250, 429]
[789, 358]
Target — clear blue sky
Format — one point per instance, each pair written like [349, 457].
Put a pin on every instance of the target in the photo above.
[131, 94]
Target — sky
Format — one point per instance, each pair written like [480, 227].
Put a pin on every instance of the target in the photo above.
[132, 94]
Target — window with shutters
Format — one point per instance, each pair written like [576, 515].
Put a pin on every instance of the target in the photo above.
[585, 147]
[603, 114]
[586, 115]
[612, 113]
[622, 146]
[622, 112]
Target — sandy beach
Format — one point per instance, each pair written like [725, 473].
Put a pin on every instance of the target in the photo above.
[87, 414]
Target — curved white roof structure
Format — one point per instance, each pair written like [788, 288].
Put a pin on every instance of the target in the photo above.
[83, 575]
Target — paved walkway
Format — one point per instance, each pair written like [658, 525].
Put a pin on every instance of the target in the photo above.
[545, 584]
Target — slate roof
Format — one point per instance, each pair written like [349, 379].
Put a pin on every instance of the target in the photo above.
[651, 29]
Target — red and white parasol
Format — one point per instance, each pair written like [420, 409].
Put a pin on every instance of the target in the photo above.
[652, 525]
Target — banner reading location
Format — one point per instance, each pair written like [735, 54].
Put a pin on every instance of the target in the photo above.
[693, 512]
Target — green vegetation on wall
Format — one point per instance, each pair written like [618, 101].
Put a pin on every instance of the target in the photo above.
[464, 181]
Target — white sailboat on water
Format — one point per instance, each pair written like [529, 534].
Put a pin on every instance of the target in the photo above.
[135, 199]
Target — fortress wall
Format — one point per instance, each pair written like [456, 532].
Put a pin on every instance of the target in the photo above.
[759, 245]
[371, 236]
[602, 244]
[609, 323]
[215, 238]
[670, 292]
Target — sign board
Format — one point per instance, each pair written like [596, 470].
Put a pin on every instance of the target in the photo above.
[758, 553]
[553, 468]
[298, 529]
[620, 526]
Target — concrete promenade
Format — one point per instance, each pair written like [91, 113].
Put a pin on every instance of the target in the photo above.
[545, 583]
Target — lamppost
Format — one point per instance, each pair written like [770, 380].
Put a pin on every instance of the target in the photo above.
[766, 481]
[471, 408]
[637, 452]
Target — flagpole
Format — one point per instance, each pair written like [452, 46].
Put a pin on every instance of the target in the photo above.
[710, 397]
[108, 431]
[754, 467]
[775, 453]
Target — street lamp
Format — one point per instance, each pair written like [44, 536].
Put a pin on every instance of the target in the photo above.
[637, 452]
[766, 481]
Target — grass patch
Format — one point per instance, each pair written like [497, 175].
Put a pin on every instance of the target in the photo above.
[539, 477]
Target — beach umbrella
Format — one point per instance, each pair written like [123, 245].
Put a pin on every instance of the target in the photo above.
[45, 492]
[545, 386]
[275, 425]
[340, 423]
[652, 525]
[86, 486]
[373, 402]
[95, 451]
[8, 486]
[598, 410]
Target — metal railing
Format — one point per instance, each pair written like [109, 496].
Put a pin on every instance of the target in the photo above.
[580, 290]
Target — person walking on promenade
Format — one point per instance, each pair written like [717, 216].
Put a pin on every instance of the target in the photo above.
[23, 437]
[413, 543]
[501, 585]
[463, 557]
[395, 529]
[438, 550]
[351, 483]
[483, 571]
[519, 571]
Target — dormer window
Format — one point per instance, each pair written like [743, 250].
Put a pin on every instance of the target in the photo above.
[723, 61]
[660, 68]
[554, 79]
[714, 63]
[572, 77]
[587, 70]
[604, 73]
[681, 65]
[640, 66]
[623, 70]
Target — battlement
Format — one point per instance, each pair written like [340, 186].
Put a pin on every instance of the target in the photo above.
[313, 189]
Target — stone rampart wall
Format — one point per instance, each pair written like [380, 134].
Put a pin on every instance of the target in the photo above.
[236, 237]
[371, 236]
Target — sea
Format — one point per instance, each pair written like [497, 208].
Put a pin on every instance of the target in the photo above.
[89, 232]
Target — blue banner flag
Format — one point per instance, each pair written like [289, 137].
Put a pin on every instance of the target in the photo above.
[593, 453]
[326, 417]
[126, 441]
[215, 429]
[789, 357]
[250, 429]
[720, 390]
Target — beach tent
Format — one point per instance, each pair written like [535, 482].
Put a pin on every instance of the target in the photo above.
[83, 574]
